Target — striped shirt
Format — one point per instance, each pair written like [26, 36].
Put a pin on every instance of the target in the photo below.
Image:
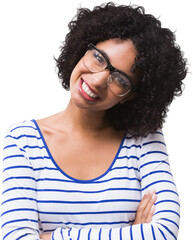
[39, 197]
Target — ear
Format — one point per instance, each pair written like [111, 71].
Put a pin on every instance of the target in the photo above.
[128, 97]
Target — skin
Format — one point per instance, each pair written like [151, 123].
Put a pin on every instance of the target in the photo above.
[87, 126]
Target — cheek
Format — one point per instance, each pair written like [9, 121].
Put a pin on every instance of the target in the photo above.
[78, 70]
[113, 100]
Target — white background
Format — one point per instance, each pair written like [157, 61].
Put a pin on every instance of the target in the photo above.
[31, 33]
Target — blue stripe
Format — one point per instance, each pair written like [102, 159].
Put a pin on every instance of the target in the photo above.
[87, 202]
[165, 219]
[22, 127]
[24, 135]
[160, 181]
[131, 233]
[89, 223]
[74, 213]
[22, 150]
[61, 232]
[33, 147]
[120, 233]
[162, 234]
[72, 202]
[20, 198]
[16, 229]
[23, 236]
[10, 146]
[152, 162]
[89, 232]
[79, 191]
[100, 232]
[147, 143]
[39, 157]
[170, 211]
[153, 233]
[78, 238]
[19, 220]
[153, 152]
[13, 167]
[93, 202]
[97, 182]
[136, 146]
[150, 173]
[168, 230]
[125, 167]
[73, 191]
[25, 177]
[19, 209]
[122, 157]
[16, 188]
[157, 132]
[69, 231]
[167, 190]
[13, 156]
[110, 232]
[45, 168]
[53, 235]
[142, 234]
[163, 201]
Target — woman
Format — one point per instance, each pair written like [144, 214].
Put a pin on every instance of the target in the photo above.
[99, 169]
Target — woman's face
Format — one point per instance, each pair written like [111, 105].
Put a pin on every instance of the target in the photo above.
[90, 90]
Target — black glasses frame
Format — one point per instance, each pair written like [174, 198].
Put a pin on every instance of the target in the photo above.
[112, 68]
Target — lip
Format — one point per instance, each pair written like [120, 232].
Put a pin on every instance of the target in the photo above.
[84, 95]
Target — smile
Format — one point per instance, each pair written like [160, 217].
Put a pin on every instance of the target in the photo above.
[87, 92]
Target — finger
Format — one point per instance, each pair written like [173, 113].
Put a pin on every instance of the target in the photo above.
[145, 200]
[147, 210]
[143, 204]
[149, 206]
[45, 236]
[150, 215]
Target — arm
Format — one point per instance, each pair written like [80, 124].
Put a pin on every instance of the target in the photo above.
[144, 214]
[19, 214]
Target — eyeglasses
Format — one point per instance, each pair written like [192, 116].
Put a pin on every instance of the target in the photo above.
[96, 61]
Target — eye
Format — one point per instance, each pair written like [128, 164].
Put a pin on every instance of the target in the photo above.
[121, 82]
[99, 58]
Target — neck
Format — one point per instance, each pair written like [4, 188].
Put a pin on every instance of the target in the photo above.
[84, 120]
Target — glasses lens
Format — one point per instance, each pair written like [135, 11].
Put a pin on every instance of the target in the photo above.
[94, 61]
[119, 84]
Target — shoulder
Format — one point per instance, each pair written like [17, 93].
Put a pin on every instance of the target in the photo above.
[21, 132]
[154, 140]
[19, 128]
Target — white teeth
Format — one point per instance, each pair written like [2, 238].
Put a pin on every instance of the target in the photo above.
[87, 91]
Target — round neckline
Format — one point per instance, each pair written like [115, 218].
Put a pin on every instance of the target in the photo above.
[67, 175]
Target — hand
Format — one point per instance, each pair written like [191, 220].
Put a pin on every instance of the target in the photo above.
[146, 208]
[45, 236]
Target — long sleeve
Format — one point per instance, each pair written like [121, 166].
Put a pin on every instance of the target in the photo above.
[19, 214]
[155, 174]
[38, 197]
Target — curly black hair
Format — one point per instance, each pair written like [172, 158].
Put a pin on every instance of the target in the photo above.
[159, 61]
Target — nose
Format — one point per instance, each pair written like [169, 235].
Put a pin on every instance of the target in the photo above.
[100, 78]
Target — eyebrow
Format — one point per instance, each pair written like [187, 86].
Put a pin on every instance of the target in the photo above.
[105, 54]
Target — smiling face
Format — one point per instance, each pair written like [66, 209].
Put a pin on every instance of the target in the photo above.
[90, 90]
